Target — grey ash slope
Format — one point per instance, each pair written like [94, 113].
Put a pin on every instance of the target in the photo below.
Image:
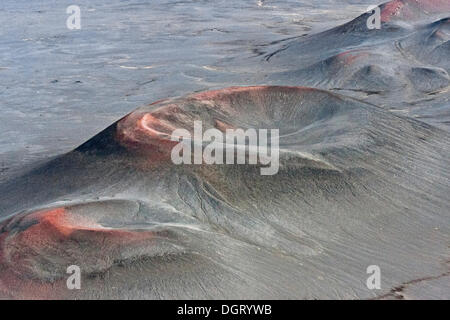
[356, 185]
[404, 66]
[360, 182]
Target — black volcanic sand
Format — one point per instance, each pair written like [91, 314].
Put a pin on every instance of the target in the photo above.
[360, 183]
